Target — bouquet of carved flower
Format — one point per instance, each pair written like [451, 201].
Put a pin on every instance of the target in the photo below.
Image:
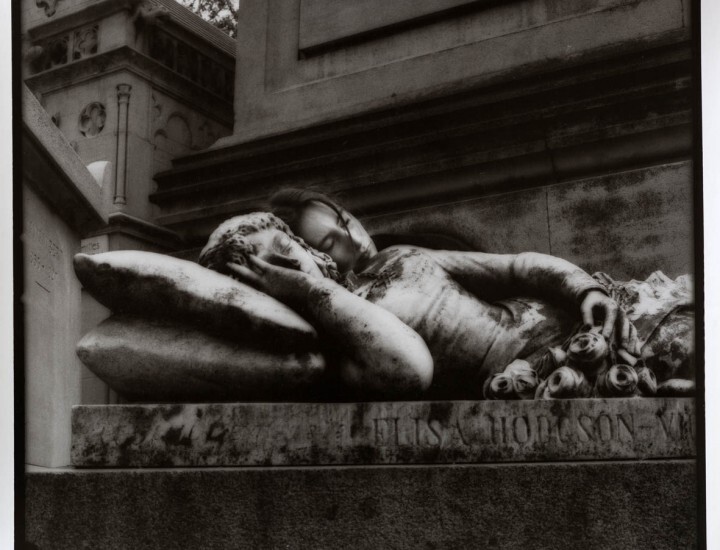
[592, 367]
[586, 366]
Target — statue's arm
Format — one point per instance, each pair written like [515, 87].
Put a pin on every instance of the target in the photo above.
[384, 355]
[496, 276]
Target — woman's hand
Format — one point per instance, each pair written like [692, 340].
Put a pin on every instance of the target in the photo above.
[599, 310]
[280, 277]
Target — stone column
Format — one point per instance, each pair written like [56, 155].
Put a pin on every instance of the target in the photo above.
[123, 92]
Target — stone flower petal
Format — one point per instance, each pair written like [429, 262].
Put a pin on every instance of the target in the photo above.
[519, 366]
[617, 381]
[588, 352]
[564, 383]
[647, 382]
[676, 387]
[525, 384]
[552, 359]
[499, 386]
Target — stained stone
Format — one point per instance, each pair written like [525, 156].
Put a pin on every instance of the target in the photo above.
[252, 434]
[602, 505]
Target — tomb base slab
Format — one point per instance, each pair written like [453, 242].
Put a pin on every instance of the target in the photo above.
[604, 505]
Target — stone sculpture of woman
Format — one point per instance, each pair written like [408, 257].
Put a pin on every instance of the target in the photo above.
[475, 312]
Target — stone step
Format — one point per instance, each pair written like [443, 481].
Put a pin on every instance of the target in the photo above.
[442, 432]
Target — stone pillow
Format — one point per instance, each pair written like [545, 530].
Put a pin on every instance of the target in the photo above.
[162, 360]
[158, 286]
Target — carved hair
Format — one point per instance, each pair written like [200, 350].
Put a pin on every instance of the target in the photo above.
[229, 243]
[289, 204]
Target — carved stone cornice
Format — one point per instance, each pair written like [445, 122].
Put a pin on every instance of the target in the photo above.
[120, 222]
[179, 17]
[83, 16]
[127, 59]
[154, 29]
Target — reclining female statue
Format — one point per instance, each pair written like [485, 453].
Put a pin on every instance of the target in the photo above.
[478, 312]
[475, 312]
[378, 355]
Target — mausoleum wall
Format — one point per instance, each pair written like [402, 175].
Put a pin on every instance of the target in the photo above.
[130, 85]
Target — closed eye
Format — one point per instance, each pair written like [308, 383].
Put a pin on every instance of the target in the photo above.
[326, 244]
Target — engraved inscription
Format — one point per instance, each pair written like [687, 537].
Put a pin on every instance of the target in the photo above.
[44, 255]
[384, 433]
[678, 425]
[530, 429]
[94, 245]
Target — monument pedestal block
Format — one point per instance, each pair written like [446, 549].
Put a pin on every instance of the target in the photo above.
[595, 505]
[585, 473]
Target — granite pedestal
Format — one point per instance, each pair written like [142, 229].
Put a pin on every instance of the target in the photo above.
[614, 473]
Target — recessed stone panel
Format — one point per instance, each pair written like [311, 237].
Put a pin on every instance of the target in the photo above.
[627, 224]
[325, 21]
[483, 224]
[281, 87]
[264, 434]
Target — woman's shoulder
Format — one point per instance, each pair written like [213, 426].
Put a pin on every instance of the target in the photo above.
[404, 250]
[395, 256]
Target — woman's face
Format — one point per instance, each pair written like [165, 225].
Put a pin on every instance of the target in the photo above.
[273, 241]
[337, 233]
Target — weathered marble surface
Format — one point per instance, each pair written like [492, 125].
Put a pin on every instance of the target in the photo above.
[244, 434]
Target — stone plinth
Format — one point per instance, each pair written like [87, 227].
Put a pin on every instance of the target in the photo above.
[595, 505]
[247, 434]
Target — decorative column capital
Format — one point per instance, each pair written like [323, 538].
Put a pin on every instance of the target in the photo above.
[123, 92]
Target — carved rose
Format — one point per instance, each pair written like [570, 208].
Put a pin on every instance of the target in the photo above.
[524, 378]
[526, 384]
[676, 387]
[647, 382]
[518, 381]
[518, 366]
[499, 386]
[617, 381]
[564, 383]
[588, 352]
[552, 359]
